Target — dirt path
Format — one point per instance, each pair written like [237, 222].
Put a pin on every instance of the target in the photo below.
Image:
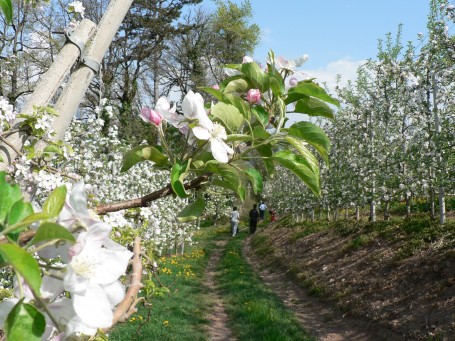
[218, 328]
[317, 317]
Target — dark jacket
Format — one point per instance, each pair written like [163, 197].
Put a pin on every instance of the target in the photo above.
[254, 216]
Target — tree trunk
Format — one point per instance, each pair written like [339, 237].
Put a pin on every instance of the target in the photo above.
[357, 213]
[372, 211]
[408, 206]
[442, 206]
[335, 214]
[312, 215]
[386, 210]
[432, 208]
[346, 213]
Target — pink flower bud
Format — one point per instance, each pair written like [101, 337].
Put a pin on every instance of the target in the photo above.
[247, 59]
[216, 87]
[150, 115]
[293, 81]
[253, 96]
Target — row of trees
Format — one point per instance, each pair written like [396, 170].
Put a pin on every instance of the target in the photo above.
[393, 138]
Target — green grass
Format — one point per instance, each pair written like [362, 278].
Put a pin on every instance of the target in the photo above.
[179, 314]
[255, 312]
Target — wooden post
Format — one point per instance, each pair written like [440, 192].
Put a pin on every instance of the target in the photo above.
[47, 86]
[75, 90]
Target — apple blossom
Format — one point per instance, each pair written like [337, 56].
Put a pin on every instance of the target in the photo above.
[247, 59]
[150, 115]
[253, 96]
[293, 81]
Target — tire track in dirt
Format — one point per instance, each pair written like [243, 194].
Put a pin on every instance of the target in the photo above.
[317, 317]
[218, 329]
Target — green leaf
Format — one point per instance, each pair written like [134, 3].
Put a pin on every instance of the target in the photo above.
[27, 221]
[277, 83]
[255, 179]
[310, 88]
[266, 151]
[229, 177]
[52, 231]
[299, 145]
[7, 9]
[23, 263]
[192, 211]
[312, 134]
[143, 153]
[53, 149]
[19, 211]
[261, 115]
[258, 77]
[236, 84]
[298, 166]
[178, 174]
[214, 92]
[240, 104]
[228, 115]
[239, 137]
[9, 194]
[54, 202]
[313, 107]
[24, 323]
[260, 133]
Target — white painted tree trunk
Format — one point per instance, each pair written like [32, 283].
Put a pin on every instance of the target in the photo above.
[357, 213]
[441, 199]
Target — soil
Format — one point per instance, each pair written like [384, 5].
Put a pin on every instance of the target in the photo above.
[218, 329]
[365, 293]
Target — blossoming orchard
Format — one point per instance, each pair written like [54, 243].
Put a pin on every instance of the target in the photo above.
[101, 175]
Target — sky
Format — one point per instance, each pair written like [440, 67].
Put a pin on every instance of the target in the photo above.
[338, 35]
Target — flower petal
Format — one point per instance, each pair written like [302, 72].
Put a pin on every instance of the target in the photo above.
[115, 292]
[112, 265]
[94, 308]
[76, 325]
[218, 151]
[201, 133]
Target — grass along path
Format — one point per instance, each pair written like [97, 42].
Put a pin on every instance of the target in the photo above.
[255, 312]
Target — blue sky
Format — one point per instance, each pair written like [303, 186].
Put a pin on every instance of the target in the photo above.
[338, 35]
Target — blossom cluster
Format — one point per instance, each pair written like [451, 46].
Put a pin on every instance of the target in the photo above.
[7, 114]
[81, 296]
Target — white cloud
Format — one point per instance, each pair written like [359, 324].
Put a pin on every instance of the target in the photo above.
[345, 67]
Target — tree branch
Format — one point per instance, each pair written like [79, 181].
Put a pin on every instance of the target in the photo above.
[146, 199]
[127, 307]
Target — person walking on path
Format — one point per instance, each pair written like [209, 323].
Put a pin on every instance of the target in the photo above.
[262, 208]
[235, 218]
[254, 217]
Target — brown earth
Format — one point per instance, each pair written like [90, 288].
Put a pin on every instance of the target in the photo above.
[377, 285]
[218, 329]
